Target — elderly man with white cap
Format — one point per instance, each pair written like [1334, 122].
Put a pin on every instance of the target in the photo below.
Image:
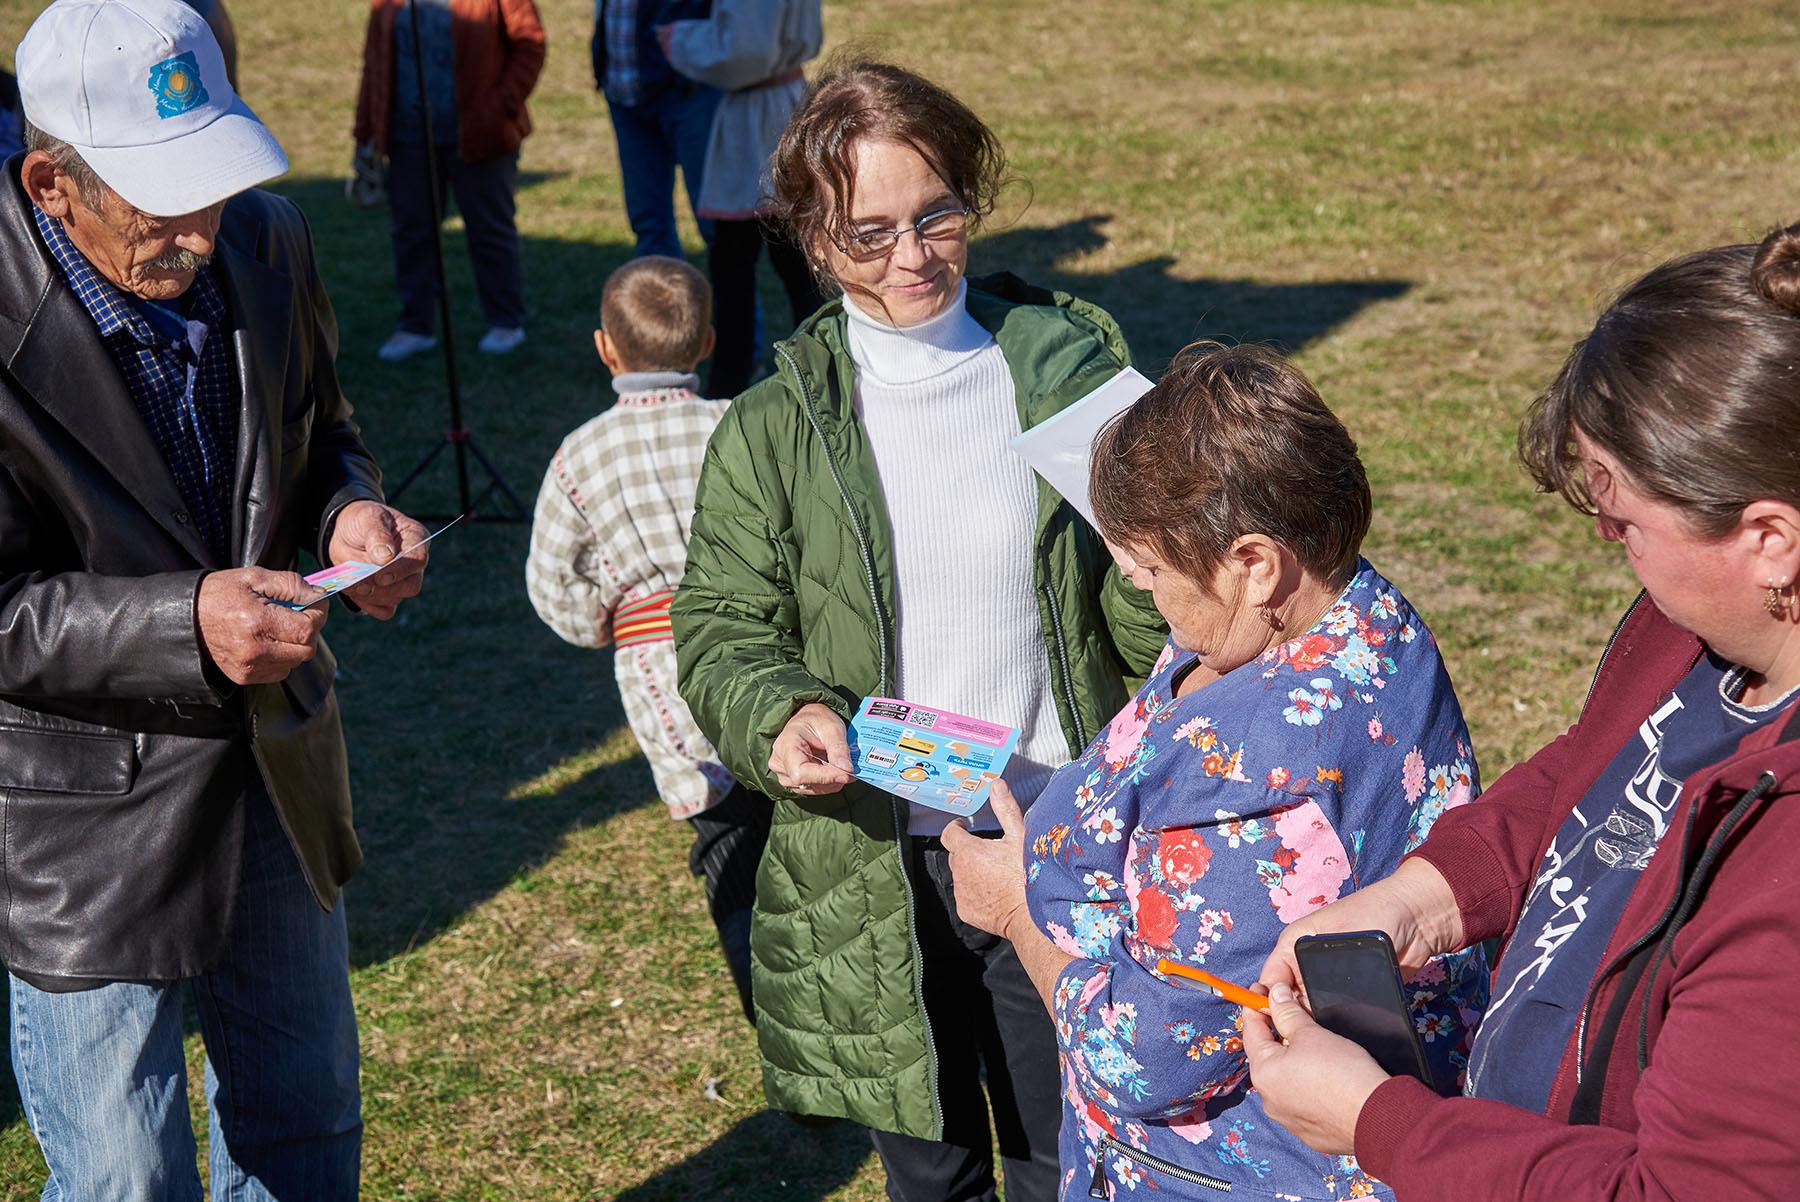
[174, 800]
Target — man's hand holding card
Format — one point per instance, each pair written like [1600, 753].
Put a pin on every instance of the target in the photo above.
[378, 556]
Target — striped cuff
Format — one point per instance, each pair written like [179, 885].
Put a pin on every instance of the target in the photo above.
[644, 620]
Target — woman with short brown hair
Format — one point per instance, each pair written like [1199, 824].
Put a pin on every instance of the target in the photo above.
[1298, 735]
[862, 530]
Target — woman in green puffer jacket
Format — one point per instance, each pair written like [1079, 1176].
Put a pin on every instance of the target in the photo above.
[862, 530]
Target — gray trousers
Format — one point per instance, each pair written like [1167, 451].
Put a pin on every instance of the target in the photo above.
[484, 197]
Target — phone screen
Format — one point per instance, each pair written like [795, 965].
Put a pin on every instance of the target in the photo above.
[1353, 985]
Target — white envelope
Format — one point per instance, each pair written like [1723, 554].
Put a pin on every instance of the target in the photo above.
[1061, 450]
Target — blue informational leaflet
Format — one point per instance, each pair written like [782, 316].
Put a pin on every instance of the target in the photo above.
[929, 756]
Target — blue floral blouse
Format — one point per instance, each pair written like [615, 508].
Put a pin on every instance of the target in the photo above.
[1195, 828]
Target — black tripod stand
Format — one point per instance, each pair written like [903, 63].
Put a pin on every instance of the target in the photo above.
[458, 437]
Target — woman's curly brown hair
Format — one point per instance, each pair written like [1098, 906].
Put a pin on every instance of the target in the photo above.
[857, 99]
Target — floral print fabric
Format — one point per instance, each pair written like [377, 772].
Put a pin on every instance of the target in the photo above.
[1193, 829]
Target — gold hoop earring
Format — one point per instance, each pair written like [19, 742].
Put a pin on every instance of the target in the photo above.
[1271, 617]
[1775, 600]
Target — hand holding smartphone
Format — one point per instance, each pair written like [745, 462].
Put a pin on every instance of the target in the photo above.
[1352, 983]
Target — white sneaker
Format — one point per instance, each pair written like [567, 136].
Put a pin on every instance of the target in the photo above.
[501, 340]
[404, 344]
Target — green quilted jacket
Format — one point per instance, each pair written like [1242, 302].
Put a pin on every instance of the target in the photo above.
[788, 598]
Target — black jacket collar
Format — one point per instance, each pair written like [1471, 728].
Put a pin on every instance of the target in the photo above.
[53, 353]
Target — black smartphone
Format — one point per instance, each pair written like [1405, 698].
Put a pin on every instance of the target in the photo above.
[1353, 986]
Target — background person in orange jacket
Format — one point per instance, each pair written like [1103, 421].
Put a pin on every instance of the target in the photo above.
[482, 58]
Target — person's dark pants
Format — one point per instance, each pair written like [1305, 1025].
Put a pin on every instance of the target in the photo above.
[654, 138]
[985, 1015]
[484, 197]
[728, 845]
[731, 261]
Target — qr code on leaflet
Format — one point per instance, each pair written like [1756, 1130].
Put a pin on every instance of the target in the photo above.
[923, 719]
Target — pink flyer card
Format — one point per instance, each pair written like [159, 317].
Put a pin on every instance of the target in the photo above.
[338, 577]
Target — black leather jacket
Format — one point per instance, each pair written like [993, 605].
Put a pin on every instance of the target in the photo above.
[124, 756]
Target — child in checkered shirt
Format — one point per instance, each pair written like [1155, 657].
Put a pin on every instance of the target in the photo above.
[608, 545]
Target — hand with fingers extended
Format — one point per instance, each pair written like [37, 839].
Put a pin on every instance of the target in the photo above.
[990, 873]
[1312, 1082]
[370, 532]
[811, 755]
[1414, 906]
[249, 637]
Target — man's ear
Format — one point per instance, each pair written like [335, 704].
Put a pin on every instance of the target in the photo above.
[44, 186]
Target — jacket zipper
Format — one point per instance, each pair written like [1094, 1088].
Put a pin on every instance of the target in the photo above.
[862, 537]
[1097, 1188]
[1062, 659]
[901, 843]
[1587, 1003]
[1624, 957]
[1631, 609]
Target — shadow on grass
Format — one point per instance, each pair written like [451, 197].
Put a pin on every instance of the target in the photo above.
[764, 1156]
[1162, 312]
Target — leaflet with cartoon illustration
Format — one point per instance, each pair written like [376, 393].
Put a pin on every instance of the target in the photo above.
[931, 756]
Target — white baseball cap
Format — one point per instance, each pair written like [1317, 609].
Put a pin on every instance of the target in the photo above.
[138, 88]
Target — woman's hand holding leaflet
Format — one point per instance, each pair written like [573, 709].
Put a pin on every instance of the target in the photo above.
[990, 873]
[811, 755]
[990, 890]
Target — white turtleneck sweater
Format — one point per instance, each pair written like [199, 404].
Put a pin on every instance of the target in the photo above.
[937, 402]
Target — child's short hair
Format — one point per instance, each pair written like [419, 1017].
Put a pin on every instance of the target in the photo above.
[657, 310]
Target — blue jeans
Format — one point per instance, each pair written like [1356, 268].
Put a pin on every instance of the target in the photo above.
[654, 138]
[104, 1084]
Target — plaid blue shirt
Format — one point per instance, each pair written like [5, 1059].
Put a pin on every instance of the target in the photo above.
[623, 79]
[186, 392]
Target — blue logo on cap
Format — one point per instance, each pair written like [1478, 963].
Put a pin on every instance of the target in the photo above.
[176, 84]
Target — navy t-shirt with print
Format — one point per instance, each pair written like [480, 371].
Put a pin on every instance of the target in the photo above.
[1587, 876]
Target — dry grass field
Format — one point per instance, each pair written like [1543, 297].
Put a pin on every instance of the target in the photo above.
[1426, 202]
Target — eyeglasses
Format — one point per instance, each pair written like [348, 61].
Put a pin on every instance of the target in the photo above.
[939, 225]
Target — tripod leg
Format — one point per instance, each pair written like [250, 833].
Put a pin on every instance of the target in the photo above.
[458, 433]
[423, 463]
[518, 509]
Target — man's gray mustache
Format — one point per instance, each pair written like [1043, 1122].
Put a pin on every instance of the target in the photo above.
[181, 260]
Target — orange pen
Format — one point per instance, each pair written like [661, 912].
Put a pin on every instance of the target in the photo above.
[1212, 984]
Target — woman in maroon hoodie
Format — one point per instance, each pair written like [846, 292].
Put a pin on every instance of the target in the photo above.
[1643, 870]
